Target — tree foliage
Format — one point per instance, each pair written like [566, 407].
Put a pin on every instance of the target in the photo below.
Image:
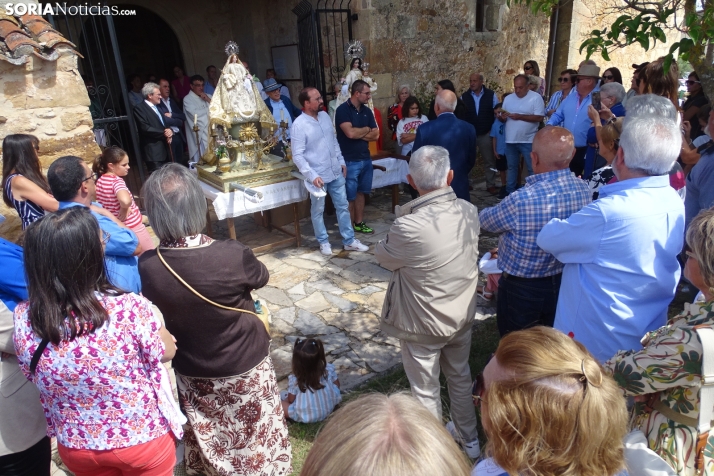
[645, 22]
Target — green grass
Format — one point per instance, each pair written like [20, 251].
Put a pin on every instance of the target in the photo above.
[483, 343]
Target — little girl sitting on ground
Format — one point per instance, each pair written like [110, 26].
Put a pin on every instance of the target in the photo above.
[313, 387]
[114, 195]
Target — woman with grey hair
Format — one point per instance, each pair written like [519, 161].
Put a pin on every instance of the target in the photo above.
[394, 113]
[225, 377]
[665, 376]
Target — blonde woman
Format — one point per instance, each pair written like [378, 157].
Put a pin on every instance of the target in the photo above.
[380, 435]
[548, 408]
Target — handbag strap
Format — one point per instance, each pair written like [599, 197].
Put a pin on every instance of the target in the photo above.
[158, 253]
[37, 355]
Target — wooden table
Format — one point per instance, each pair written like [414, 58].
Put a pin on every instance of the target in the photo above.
[234, 204]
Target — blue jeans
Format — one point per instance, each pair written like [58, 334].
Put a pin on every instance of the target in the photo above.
[359, 178]
[513, 156]
[526, 302]
[336, 189]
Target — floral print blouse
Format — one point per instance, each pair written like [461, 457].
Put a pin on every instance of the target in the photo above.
[102, 390]
[669, 366]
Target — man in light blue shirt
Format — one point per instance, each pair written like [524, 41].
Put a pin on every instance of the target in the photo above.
[620, 252]
[281, 107]
[72, 184]
[573, 113]
[317, 155]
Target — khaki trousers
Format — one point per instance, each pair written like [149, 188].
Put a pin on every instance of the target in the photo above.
[422, 363]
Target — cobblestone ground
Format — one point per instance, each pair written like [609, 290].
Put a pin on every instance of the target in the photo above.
[337, 298]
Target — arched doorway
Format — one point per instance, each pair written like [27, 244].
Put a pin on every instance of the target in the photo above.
[147, 44]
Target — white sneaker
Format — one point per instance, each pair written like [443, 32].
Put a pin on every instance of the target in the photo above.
[356, 246]
[325, 249]
[472, 449]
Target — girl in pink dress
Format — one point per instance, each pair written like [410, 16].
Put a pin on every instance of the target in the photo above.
[114, 195]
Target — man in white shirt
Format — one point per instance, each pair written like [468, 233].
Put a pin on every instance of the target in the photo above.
[195, 107]
[317, 155]
[524, 110]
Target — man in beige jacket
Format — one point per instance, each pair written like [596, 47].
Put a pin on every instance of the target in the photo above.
[432, 250]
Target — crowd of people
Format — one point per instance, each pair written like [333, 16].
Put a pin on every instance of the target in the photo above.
[590, 376]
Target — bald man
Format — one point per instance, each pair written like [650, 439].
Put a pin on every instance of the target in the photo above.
[454, 135]
[530, 283]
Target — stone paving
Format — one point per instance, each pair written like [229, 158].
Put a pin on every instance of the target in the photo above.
[337, 298]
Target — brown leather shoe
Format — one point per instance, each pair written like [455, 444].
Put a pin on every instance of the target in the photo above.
[492, 190]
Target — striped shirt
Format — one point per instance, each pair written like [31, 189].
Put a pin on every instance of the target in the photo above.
[108, 186]
[311, 406]
[521, 216]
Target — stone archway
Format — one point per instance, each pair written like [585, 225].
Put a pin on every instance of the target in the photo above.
[148, 44]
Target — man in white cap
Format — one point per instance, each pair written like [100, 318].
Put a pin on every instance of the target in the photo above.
[572, 113]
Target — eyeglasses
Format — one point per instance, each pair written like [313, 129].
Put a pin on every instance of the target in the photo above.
[637, 81]
[691, 82]
[479, 387]
[93, 177]
[477, 390]
[105, 237]
[366, 93]
[563, 80]
[608, 77]
[691, 255]
[527, 68]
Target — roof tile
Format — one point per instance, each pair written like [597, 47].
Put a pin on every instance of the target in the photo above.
[27, 35]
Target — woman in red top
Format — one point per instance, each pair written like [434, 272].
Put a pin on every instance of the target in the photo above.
[114, 195]
[394, 113]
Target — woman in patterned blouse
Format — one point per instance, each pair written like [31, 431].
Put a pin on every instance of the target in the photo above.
[665, 375]
[95, 353]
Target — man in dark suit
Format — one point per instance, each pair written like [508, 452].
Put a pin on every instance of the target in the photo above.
[480, 102]
[154, 134]
[456, 136]
[173, 117]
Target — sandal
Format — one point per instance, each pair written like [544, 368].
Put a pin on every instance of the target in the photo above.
[485, 295]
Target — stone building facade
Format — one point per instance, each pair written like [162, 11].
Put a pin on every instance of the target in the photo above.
[414, 42]
[42, 94]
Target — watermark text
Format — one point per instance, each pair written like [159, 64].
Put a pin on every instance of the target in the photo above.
[58, 8]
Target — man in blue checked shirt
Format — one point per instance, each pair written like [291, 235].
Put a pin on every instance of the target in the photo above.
[530, 283]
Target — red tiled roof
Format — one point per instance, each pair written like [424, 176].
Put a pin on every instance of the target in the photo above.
[28, 35]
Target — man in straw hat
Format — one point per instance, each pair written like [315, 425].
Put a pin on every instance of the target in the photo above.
[573, 112]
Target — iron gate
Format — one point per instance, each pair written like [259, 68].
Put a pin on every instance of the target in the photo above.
[323, 34]
[101, 66]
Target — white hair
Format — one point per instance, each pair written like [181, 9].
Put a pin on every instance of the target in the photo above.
[429, 166]
[446, 105]
[650, 105]
[615, 90]
[650, 144]
[148, 88]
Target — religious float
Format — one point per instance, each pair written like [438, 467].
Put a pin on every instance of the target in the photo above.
[242, 135]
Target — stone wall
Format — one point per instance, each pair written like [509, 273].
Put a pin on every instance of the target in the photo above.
[421, 42]
[47, 99]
